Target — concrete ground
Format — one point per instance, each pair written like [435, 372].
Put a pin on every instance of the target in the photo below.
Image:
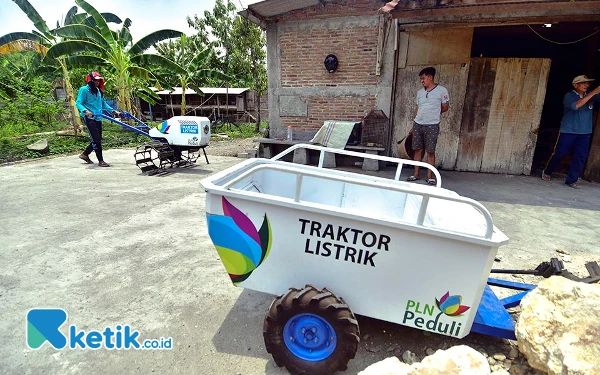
[112, 246]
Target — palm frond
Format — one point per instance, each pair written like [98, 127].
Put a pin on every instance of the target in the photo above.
[100, 22]
[160, 62]
[81, 32]
[71, 47]
[69, 17]
[86, 61]
[34, 16]
[153, 38]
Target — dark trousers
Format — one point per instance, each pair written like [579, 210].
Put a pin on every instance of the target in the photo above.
[567, 143]
[95, 131]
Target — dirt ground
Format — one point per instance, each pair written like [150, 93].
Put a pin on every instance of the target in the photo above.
[230, 147]
[112, 246]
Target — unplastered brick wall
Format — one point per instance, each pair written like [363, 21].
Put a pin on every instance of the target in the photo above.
[321, 109]
[303, 54]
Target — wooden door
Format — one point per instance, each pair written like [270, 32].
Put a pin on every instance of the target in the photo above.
[454, 78]
[501, 115]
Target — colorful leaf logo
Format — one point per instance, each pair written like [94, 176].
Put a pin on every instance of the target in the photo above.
[241, 247]
[450, 305]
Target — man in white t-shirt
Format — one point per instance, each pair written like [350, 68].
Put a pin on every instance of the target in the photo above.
[432, 101]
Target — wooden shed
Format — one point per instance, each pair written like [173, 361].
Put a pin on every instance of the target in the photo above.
[236, 103]
[506, 63]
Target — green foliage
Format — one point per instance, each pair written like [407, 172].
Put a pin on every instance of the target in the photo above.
[12, 149]
[31, 108]
[240, 45]
[245, 130]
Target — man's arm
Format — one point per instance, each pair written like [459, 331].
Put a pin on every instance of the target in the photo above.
[583, 101]
[445, 107]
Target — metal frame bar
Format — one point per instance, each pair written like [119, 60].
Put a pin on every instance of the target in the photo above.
[424, 203]
[126, 126]
[492, 318]
[364, 155]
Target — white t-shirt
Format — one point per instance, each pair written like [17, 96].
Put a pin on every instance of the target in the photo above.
[430, 105]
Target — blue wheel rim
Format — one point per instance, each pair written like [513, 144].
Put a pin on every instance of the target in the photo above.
[309, 337]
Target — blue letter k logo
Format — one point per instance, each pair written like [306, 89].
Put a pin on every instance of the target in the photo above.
[43, 325]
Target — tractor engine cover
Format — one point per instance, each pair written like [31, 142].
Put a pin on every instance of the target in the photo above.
[184, 131]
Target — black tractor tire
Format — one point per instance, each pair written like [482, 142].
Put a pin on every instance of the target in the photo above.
[326, 305]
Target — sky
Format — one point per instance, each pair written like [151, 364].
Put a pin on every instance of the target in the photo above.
[146, 15]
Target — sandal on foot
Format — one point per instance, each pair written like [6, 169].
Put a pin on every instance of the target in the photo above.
[574, 185]
[103, 164]
[413, 178]
[86, 158]
[431, 181]
[545, 177]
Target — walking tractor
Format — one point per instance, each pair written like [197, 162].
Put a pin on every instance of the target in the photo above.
[176, 142]
[405, 253]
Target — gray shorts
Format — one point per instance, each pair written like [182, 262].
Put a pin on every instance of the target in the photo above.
[427, 134]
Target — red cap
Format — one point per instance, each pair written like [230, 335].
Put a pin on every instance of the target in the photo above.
[97, 77]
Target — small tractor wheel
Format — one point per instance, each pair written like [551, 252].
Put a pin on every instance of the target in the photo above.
[311, 331]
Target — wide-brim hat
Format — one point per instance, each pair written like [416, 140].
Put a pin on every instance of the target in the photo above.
[581, 79]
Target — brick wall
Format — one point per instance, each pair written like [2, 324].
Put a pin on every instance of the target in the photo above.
[303, 54]
[326, 108]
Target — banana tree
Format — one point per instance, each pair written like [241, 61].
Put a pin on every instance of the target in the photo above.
[186, 52]
[42, 39]
[100, 46]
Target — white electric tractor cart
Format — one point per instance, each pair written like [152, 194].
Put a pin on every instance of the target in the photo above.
[406, 253]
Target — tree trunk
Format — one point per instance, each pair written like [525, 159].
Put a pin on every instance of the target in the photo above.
[75, 118]
[183, 102]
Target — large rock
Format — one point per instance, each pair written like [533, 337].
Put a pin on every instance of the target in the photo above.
[389, 366]
[559, 327]
[458, 360]
[40, 146]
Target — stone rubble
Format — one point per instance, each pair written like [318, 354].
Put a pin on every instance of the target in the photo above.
[558, 332]
[559, 327]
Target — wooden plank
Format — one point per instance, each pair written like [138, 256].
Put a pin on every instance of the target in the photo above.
[536, 115]
[476, 111]
[402, 49]
[454, 78]
[497, 108]
[510, 127]
[407, 85]
[592, 169]
[436, 46]
[530, 69]
[499, 12]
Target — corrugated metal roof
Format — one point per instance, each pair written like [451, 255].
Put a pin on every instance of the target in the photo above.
[205, 90]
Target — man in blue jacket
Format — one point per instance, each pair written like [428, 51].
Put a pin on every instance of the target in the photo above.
[575, 130]
[90, 102]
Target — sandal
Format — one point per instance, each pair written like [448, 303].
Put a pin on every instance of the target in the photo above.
[545, 177]
[574, 185]
[103, 164]
[86, 158]
[431, 181]
[413, 178]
